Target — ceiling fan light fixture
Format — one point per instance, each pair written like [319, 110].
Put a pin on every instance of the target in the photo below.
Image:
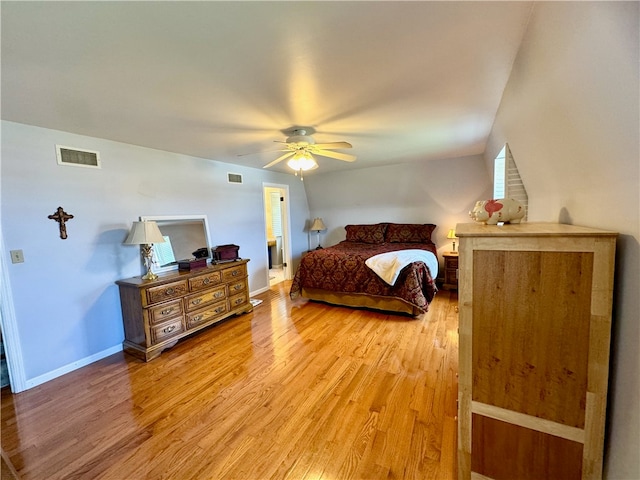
[302, 161]
[300, 138]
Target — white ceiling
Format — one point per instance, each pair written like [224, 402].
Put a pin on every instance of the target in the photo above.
[401, 81]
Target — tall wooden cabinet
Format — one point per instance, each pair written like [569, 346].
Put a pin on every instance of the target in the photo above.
[535, 319]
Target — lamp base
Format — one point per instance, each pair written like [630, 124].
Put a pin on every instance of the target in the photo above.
[149, 276]
[147, 256]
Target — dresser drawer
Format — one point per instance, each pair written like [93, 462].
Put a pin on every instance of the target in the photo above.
[199, 300]
[165, 331]
[204, 281]
[196, 319]
[165, 292]
[237, 287]
[229, 274]
[164, 312]
[237, 300]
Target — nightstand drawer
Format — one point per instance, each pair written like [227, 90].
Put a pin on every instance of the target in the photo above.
[450, 271]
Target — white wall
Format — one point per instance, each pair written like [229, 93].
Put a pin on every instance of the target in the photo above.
[435, 191]
[570, 115]
[67, 306]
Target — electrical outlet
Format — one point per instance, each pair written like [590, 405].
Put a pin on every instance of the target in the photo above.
[17, 256]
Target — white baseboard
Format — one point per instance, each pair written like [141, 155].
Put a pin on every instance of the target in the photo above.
[58, 372]
[257, 292]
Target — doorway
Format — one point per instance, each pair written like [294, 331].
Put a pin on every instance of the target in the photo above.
[276, 215]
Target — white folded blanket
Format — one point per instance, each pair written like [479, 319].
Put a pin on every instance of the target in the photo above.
[388, 265]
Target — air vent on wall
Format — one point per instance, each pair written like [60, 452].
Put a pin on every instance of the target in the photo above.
[77, 157]
[234, 178]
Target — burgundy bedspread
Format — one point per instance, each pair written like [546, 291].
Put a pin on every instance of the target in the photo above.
[341, 268]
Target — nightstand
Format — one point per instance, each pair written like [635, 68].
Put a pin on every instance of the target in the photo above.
[450, 271]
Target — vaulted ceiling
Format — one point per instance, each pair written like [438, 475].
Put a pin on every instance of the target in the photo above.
[400, 81]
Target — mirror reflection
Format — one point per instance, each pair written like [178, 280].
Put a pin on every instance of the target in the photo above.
[185, 237]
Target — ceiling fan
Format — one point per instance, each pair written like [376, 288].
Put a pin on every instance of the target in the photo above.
[300, 148]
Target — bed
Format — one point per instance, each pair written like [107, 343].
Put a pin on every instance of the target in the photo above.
[403, 255]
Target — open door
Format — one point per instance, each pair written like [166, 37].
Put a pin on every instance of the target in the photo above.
[276, 214]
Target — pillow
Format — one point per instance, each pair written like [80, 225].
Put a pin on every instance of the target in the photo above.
[409, 233]
[366, 233]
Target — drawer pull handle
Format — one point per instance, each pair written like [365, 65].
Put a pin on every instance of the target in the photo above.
[219, 309]
[235, 273]
[167, 311]
[170, 291]
[237, 287]
[196, 301]
[169, 329]
[217, 294]
[206, 281]
[197, 318]
[239, 301]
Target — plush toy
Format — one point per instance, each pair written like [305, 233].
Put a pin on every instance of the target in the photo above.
[492, 212]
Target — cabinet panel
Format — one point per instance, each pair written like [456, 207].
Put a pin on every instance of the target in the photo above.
[503, 451]
[535, 305]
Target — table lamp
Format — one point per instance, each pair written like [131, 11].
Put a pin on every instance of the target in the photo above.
[145, 234]
[452, 236]
[317, 226]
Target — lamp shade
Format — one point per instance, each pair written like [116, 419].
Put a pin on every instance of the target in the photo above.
[451, 234]
[317, 225]
[144, 233]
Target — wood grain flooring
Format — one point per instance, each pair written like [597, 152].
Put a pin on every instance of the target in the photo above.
[293, 390]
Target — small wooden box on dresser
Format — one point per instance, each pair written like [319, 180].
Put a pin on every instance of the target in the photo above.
[157, 313]
[535, 318]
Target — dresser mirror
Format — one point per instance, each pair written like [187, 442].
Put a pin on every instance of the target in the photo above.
[183, 235]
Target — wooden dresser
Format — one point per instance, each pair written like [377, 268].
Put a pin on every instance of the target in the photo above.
[535, 319]
[157, 313]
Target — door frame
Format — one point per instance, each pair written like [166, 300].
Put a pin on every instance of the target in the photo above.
[9, 325]
[286, 231]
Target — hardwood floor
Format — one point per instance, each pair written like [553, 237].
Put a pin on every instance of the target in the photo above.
[295, 390]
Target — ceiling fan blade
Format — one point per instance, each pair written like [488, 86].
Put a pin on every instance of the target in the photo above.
[334, 145]
[263, 151]
[279, 159]
[337, 155]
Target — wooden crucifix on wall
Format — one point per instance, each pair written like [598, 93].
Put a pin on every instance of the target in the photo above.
[61, 217]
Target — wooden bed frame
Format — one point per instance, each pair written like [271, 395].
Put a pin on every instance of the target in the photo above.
[361, 300]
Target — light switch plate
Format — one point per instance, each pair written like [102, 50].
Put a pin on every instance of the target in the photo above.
[17, 256]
